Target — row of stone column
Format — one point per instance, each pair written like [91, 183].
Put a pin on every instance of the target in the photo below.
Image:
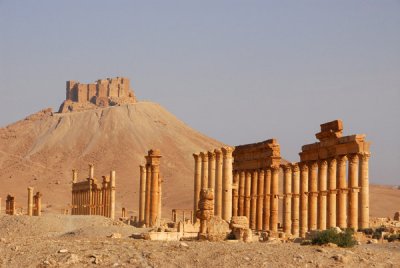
[256, 196]
[150, 195]
[34, 203]
[317, 194]
[213, 170]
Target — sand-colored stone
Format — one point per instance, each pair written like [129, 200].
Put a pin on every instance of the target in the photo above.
[260, 199]
[331, 217]
[267, 200]
[341, 216]
[274, 198]
[142, 195]
[312, 195]
[303, 200]
[295, 199]
[253, 199]
[353, 192]
[227, 181]
[204, 170]
[218, 182]
[287, 198]
[242, 183]
[364, 192]
[322, 193]
[197, 181]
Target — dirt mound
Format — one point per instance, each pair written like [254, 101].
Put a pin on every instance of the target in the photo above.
[41, 150]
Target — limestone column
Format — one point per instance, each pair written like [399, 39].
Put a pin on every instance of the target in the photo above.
[364, 194]
[142, 195]
[274, 198]
[235, 193]
[74, 176]
[247, 195]
[112, 195]
[267, 200]
[295, 199]
[331, 221]
[197, 182]
[91, 171]
[260, 199]
[312, 195]
[204, 170]
[155, 194]
[242, 180]
[287, 202]
[322, 189]
[218, 183]
[211, 169]
[159, 200]
[341, 219]
[30, 201]
[38, 204]
[148, 191]
[227, 183]
[123, 213]
[253, 200]
[303, 199]
[353, 192]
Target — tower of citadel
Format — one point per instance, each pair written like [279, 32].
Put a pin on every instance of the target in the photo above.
[103, 93]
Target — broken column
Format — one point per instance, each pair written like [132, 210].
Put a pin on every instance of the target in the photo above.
[205, 211]
[37, 200]
[341, 220]
[197, 181]
[142, 194]
[218, 183]
[287, 201]
[30, 201]
[227, 183]
[364, 191]
[295, 199]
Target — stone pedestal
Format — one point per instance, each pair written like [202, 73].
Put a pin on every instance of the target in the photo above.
[287, 201]
[30, 201]
[331, 217]
[364, 191]
[341, 219]
[260, 199]
[142, 195]
[295, 199]
[322, 187]
[227, 183]
[197, 182]
[303, 199]
[267, 200]
[253, 202]
[353, 192]
[274, 198]
[218, 183]
[312, 195]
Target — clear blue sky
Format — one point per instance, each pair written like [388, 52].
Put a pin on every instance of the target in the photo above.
[238, 71]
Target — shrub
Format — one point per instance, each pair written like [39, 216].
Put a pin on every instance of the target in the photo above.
[344, 239]
[393, 237]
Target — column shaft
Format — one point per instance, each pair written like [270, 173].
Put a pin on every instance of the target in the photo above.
[260, 199]
[242, 180]
[341, 220]
[154, 203]
[247, 195]
[332, 193]
[274, 198]
[353, 192]
[235, 193]
[287, 202]
[30, 201]
[303, 199]
[227, 183]
[112, 195]
[312, 195]
[148, 195]
[142, 195]
[218, 183]
[295, 199]
[322, 191]
[364, 196]
[267, 200]
[253, 202]
[197, 182]
[204, 170]
[211, 170]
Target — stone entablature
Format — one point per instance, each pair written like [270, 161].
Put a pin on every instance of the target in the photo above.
[102, 93]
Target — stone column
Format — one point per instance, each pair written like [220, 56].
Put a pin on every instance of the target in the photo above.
[247, 195]
[211, 169]
[123, 213]
[274, 198]
[295, 199]
[341, 219]
[197, 182]
[253, 202]
[260, 199]
[154, 195]
[267, 200]
[148, 192]
[364, 196]
[303, 199]
[30, 201]
[242, 180]
[74, 176]
[38, 204]
[353, 192]
[112, 195]
[332, 193]
[235, 194]
[312, 195]
[204, 170]
[287, 202]
[322, 189]
[91, 171]
[218, 183]
[160, 180]
[227, 183]
[142, 195]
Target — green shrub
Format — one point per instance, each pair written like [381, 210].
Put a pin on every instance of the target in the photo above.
[344, 239]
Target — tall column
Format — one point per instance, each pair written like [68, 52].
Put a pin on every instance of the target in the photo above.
[274, 198]
[247, 194]
[91, 171]
[303, 199]
[312, 195]
[148, 192]
[155, 156]
[30, 201]
[142, 195]
[159, 199]
[112, 195]
[211, 169]
[204, 170]
[242, 180]
[364, 196]
[260, 199]
[287, 202]
[218, 183]
[253, 202]
[295, 199]
[332, 193]
[267, 200]
[235, 194]
[227, 183]
[322, 191]
[341, 219]
[353, 192]
[197, 182]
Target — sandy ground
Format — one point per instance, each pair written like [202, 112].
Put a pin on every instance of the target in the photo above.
[82, 241]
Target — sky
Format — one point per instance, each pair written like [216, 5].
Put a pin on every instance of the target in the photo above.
[238, 71]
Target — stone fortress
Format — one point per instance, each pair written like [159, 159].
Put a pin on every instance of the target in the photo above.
[103, 93]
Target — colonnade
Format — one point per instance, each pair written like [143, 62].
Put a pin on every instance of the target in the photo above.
[213, 170]
[150, 193]
[92, 198]
[34, 203]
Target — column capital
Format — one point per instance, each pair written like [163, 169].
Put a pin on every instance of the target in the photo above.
[204, 156]
[211, 155]
[295, 167]
[313, 165]
[332, 162]
[353, 159]
[227, 151]
[341, 159]
[261, 171]
[218, 153]
[196, 156]
[323, 163]
[287, 168]
[267, 172]
[364, 156]
[275, 168]
[303, 166]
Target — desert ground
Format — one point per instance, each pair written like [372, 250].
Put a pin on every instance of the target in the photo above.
[94, 241]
